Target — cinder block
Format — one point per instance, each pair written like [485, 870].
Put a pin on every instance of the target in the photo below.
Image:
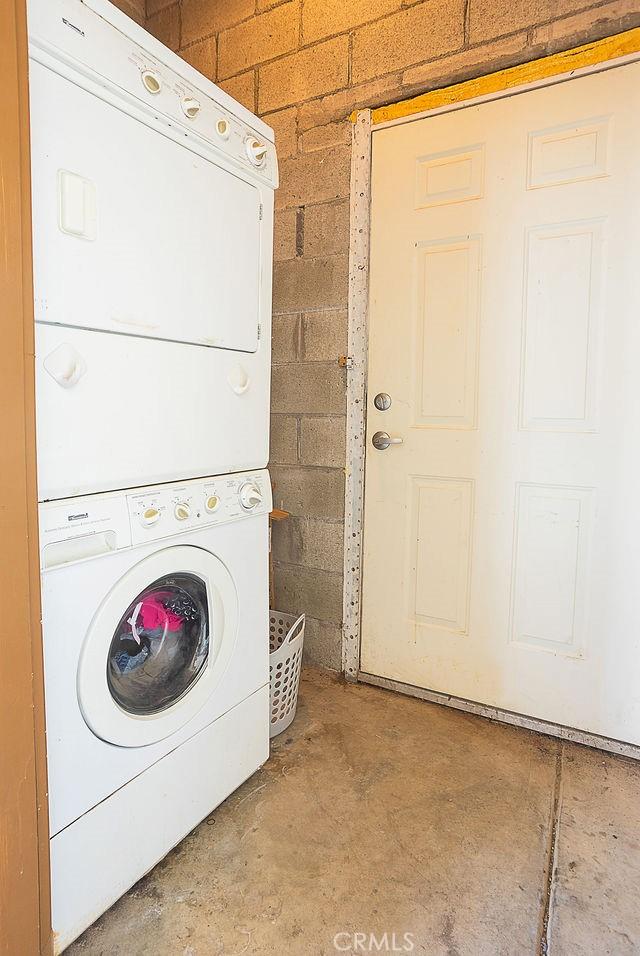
[325, 18]
[151, 7]
[261, 38]
[203, 18]
[285, 231]
[202, 56]
[242, 88]
[165, 26]
[315, 177]
[323, 137]
[306, 73]
[322, 442]
[284, 440]
[324, 335]
[285, 338]
[493, 18]
[285, 128]
[429, 29]
[315, 388]
[326, 229]
[137, 11]
[307, 284]
[322, 644]
[469, 63]
[337, 106]
[317, 593]
[588, 25]
[309, 492]
[309, 542]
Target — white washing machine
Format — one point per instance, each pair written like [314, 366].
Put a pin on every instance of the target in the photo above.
[156, 674]
[153, 201]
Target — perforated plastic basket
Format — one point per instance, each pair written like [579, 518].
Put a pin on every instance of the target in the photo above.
[286, 637]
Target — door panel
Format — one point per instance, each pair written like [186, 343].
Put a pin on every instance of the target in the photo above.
[134, 233]
[500, 554]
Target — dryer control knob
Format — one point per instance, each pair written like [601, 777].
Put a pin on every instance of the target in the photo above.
[256, 151]
[149, 517]
[222, 128]
[182, 511]
[151, 81]
[212, 503]
[190, 107]
[250, 495]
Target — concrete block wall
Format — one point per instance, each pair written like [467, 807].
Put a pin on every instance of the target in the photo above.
[304, 65]
[136, 9]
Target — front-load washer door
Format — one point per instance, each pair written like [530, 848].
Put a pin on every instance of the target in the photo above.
[158, 646]
[133, 232]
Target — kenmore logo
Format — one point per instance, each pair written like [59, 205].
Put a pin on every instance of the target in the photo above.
[76, 517]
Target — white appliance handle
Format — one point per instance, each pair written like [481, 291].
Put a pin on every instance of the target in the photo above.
[78, 549]
[65, 365]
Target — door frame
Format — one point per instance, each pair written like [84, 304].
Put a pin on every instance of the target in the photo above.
[608, 53]
[25, 923]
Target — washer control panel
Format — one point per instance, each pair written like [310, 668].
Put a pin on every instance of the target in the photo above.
[81, 528]
[165, 510]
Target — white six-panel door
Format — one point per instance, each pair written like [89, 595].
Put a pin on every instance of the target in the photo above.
[502, 537]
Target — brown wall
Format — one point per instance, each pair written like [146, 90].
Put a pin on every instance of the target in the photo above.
[304, 65]
[136, 9]
[25, 926]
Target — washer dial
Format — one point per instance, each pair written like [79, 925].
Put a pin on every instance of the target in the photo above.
[212, 503]
[250, 495]
[149, 517]
[182, 511]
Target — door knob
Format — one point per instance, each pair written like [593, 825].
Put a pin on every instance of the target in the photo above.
[382, 440]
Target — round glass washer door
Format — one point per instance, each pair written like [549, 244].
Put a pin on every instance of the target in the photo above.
[157, 646]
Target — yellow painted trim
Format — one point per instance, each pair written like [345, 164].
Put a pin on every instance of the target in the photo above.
[590, 54]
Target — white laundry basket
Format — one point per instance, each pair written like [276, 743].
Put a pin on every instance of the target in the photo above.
[286, 637]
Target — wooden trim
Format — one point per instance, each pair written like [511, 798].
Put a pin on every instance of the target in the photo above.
[567, 62]
[24, 861]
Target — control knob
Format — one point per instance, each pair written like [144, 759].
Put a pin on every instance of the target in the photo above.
[190, 107]
[149, 517]
[250, 495]
[182, 511]
[256, 151]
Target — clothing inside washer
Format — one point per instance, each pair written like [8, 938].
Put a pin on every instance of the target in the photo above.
[160, 645]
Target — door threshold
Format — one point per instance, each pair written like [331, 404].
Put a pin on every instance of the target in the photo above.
[505, 716]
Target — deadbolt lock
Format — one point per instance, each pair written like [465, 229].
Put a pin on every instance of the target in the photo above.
[382, 401]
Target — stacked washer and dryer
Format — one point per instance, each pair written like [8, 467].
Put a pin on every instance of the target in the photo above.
[153, 216]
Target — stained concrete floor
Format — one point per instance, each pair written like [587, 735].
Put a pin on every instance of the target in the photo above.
[381, 814]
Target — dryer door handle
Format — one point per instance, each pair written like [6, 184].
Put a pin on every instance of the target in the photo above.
[65, 365]
[238, 379]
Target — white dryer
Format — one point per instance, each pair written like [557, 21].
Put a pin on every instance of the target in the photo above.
[152, 229]
[156, 675]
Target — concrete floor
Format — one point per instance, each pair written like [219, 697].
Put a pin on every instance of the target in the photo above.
[381, 814]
